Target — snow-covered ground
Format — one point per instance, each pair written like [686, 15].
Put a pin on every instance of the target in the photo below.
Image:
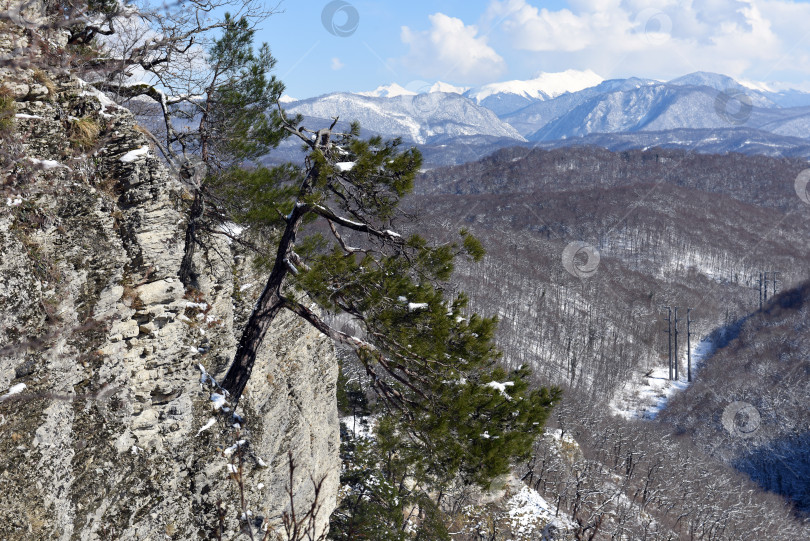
[360, 426]
[646, 397]
[530, 516]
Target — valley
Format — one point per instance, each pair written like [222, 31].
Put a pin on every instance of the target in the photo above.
[680, 210]
[671, 228]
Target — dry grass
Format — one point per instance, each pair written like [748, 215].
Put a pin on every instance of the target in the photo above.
[7, 110]
[42, 78]
[138, 128]
[131, 298]
[84, 133]
[111, 187]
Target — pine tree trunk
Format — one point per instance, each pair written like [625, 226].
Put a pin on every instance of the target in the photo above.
[265, 311]
[267, 308]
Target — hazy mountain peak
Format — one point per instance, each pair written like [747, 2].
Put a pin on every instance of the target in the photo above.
[440, 86]
[544, 86]
[420, 118]
[388, 91]
[700, 110]
[705, 78]
[756, 85]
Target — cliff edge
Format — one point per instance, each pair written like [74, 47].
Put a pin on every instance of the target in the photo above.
[108, 429]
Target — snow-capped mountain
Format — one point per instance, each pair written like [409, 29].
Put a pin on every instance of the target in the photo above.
[440, 86]
[388, 91]
[695, 101]
[761, 94]
[503, 97]
[723, 83]
[560, 109]
[412, 89]
[419, 118]
[541, 113]
[509, 96]
[544, 86]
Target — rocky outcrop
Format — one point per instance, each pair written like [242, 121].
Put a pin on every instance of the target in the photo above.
[107, 429]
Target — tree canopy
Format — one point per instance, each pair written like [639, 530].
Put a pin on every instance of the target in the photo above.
[332, 224]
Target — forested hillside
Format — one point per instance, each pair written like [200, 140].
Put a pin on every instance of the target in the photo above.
[635, 479]
[670, 228]
[749, 407]
[764, 181]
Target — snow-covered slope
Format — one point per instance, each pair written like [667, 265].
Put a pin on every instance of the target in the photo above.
[645, 397]
[388, 91]
[557, 108]
[509, 96]
[542, 113]
[697, 101]
[542, 87]
[723, 83]
[440, 86]
[761, 94]
[421, 118]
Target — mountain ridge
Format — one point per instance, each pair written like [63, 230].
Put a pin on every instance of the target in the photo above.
[417, 118]
[702, 111]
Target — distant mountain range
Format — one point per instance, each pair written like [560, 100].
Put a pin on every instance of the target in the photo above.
[417, 118]
[705, 112]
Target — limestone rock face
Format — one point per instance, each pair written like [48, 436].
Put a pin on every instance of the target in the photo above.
[107, 428]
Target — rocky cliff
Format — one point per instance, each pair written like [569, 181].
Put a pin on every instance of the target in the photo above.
[108, 430]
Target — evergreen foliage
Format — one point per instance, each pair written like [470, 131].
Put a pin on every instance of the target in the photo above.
[238, 120]
[371, 507]
[447, 411]
[351, 398]
[382, 497]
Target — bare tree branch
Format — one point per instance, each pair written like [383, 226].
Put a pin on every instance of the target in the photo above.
[356, 226]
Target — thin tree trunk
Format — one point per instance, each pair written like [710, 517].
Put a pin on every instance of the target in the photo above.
[187, 274]
[266, 309]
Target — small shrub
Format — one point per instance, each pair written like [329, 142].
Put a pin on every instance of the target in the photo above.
[111, 187]
[84, 133]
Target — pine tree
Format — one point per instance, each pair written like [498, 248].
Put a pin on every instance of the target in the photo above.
[433, 365]
[372, 505]
[236, 122]
[384, 496]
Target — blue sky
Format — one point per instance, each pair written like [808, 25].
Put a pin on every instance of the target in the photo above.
[476, 42]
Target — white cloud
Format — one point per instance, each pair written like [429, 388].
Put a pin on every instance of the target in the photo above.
[336, 63]
[659, 38]
[536, 29]
[451, 50]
